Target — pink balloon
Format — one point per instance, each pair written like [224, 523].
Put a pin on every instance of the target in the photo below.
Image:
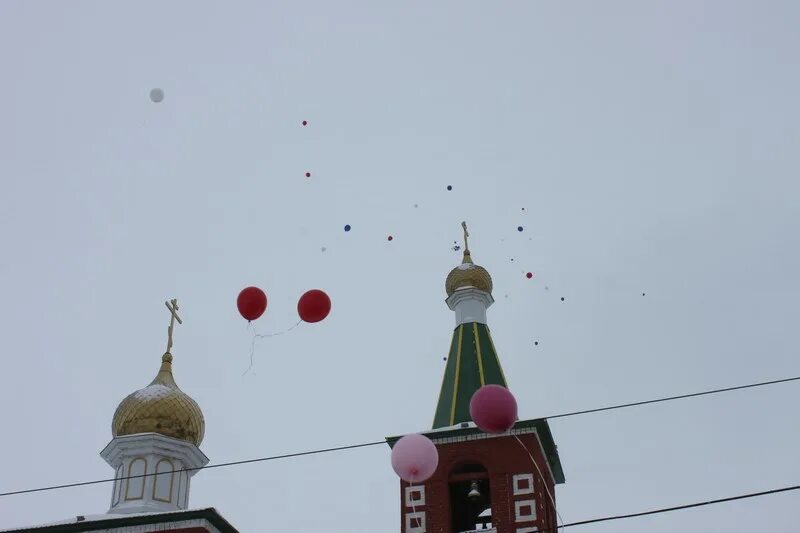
[415, 458]
[493, 409]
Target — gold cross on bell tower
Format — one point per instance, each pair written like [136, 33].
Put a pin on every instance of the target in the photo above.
[172, 305]
[466, 235]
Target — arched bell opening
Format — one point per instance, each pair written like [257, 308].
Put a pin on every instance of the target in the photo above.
[470, 498]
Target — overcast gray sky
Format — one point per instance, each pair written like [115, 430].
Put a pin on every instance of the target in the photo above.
[653, 146]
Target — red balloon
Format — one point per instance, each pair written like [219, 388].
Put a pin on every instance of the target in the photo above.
[314, 306]
[493, 409]
[529, 275]
[252, 302]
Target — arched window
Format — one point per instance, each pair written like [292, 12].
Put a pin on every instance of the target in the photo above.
[162, 486]
[134, 486]
[470, 497]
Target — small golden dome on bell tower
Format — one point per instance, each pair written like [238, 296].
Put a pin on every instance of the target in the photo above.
[468, 274]
[161, 407]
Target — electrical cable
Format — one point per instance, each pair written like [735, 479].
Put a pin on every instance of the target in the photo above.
[218, 465]
[669, 398]
[366, 444]
[541, 476]
[675, 508]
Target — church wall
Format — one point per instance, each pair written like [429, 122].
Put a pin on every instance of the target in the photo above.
[517, 507]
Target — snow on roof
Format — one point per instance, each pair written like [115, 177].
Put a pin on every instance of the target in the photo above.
[92, 518]
[151, 391]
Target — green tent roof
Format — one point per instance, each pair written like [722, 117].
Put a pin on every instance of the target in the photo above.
[471, 364]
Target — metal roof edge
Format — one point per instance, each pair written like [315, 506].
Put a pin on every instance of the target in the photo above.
[539, 424]
[209, 513]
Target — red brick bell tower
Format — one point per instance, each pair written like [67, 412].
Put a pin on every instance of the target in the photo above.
[490, 483]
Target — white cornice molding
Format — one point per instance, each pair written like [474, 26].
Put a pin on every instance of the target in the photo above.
[470, 305]
[153, 443]
[140, 484]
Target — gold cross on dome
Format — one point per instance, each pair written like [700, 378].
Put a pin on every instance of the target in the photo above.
[172, 305]
[466, 234]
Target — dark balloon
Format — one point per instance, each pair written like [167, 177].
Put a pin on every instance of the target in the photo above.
[347, 227]
[314, 306]
[252, 302]
[449, 187]
[519, 228]
[308, 174]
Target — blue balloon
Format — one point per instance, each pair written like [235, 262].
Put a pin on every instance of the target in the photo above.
[347, 227]
[519, 228]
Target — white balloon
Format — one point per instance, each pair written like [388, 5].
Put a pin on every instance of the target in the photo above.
[156, 95]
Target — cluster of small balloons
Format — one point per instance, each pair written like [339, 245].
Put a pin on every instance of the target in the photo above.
[493, 409]
[313, 306]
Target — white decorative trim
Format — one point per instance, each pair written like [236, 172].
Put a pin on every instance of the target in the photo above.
[164, 480]
[417, 502]
[156, 444]
[183, 480]
[481, 435]
[117, 490]
[167, 465]
[138, 483]
[529, 517]
[415, 516]
[519, 491]
[470, 305]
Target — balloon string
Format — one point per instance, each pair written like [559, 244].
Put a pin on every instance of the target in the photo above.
[558, 515]
[257, 335]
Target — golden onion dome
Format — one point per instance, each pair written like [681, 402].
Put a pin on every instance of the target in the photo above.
[468, 274]
[161, 408]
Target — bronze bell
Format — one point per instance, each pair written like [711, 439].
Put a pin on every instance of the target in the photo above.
[474, 493]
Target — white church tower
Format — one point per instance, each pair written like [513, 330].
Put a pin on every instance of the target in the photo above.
[155, 451]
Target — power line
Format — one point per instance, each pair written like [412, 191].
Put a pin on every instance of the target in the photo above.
[367, 444]
[671, 509]
[218, 465]
[669, 398]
